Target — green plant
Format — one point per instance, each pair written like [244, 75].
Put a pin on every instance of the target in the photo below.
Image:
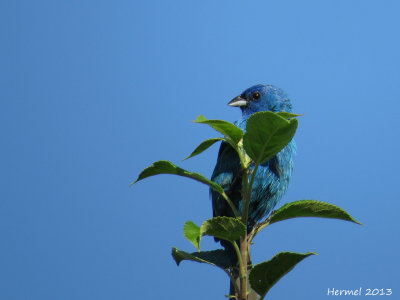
[266, 134]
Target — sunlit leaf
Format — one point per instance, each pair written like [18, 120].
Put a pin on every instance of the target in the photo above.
[310, 208]
[226, 228]
[192, 232]
[166, 167]
[267, 134]
[229, 130]
[204, 146]
[287, 115]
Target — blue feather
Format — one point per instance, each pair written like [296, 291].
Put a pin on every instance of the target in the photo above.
[273, 176]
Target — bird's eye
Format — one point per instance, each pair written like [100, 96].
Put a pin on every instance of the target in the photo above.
[256, 95]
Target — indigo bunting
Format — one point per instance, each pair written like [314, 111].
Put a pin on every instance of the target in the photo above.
[272, 177]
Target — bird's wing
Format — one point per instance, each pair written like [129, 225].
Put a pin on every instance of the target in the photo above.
[226, 174]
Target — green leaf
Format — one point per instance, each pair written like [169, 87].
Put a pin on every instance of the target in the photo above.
[264, 275]
[229, 130]
[216, 258]
[310, 208]
[226, 228]
[192, 232]
[204, 146]
[287, 115]
[266, 134]
[166, 167]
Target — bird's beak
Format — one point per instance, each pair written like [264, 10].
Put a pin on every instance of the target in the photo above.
[238, 101]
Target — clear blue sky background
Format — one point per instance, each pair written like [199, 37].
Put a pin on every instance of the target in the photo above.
[92, 92]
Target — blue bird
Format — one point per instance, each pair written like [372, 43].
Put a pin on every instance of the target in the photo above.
[272, 177]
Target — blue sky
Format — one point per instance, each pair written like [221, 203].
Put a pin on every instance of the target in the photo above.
[92, 92]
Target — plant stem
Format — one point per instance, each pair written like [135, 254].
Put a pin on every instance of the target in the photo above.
[242, 270]
[244, 243]
[242, 155]
[243, 267]
[238, 254]
[235, 212]
[258, 227]
[247, 193]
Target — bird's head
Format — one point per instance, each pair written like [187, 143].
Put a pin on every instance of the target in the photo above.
[262, 97]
